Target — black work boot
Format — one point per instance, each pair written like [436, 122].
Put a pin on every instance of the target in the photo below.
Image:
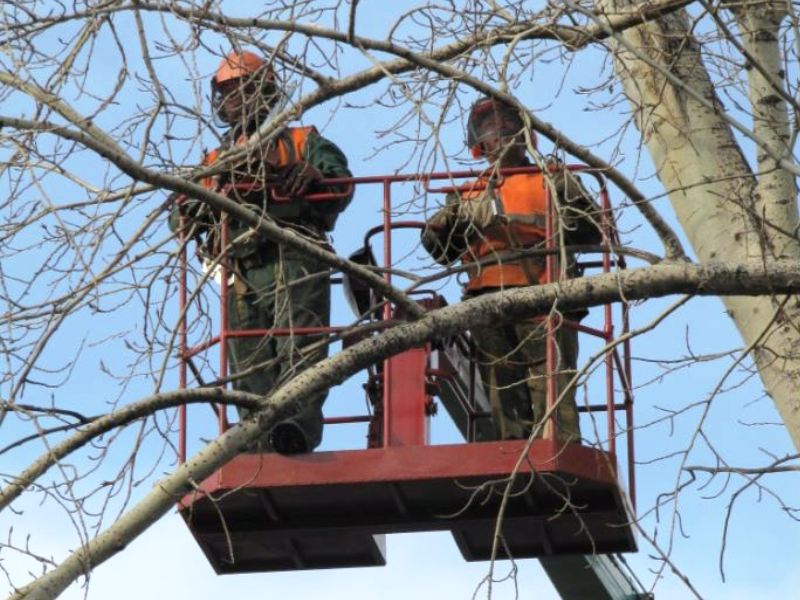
[287, 438]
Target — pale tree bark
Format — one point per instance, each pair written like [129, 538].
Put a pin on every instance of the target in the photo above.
[776, 191]
[725, 209]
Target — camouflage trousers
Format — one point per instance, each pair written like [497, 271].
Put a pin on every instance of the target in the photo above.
[279, 289]
[512, 360]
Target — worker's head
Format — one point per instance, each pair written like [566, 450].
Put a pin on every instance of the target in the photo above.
[243, 90]
[496, 131]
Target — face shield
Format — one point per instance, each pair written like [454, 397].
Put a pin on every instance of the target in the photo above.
[245, 99]
[492, 122]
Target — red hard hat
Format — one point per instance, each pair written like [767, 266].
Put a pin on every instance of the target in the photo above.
[487, 107]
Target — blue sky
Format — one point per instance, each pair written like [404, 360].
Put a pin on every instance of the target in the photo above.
[763, 544]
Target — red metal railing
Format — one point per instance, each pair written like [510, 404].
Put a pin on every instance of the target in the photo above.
[405, 410]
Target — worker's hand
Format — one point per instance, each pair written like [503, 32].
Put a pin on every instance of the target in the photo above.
[443, 238]
[195, 210]
[297, 179]
[477, 212]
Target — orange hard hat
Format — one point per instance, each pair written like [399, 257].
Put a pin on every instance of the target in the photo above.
[256, 77]
[241, 64]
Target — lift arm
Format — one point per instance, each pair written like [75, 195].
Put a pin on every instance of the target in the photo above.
[599, 577]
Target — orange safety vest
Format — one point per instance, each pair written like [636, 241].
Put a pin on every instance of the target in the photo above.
[522, 199]
[287, 151]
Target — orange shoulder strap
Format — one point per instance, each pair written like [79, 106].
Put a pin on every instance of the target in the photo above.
[292, 144]
[210, 157]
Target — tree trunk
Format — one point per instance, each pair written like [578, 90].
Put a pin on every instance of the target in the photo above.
[726, 211]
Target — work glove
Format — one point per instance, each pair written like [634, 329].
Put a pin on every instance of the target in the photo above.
[581, 217]
[195, 212]
[297, 179]
[477, 213]
[443, 237]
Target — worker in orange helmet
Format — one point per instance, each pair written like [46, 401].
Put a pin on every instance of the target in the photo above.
[273, 287]
[486, 228]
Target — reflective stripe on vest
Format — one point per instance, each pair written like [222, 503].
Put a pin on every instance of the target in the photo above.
[522, 199]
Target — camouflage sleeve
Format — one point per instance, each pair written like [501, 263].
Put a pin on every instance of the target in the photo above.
[330, 161]
[174, 219]
[580, 214]
[325, 156]
[444, 237]
[197, 214]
